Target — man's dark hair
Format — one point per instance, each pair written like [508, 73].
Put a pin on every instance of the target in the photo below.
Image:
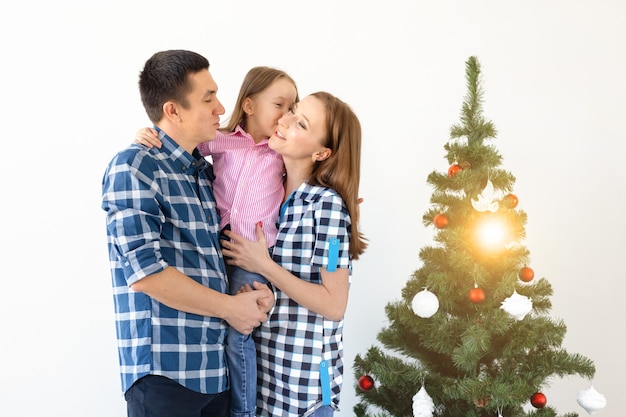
[165, 78]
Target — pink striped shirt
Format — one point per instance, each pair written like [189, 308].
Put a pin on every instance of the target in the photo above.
[248, 183]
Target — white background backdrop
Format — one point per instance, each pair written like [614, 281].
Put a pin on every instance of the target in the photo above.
[554, 79]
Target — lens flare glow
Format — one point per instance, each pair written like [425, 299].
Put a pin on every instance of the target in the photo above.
[492, 233]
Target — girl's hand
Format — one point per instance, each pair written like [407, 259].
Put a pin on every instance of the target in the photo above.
[249, 255]
[265, 303]
[148, 137]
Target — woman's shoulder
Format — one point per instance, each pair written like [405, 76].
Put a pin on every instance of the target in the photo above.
[319, 193]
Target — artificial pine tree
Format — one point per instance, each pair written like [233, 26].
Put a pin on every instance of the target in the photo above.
[471, 335]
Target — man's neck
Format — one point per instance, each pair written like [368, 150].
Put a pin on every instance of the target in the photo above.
[177, 136]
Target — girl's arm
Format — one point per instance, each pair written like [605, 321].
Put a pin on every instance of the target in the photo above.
[150, 138]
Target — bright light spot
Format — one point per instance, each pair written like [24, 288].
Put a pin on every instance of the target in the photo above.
[492, 233]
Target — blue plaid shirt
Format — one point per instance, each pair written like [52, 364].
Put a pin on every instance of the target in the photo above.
[161, 212]
[295, 345]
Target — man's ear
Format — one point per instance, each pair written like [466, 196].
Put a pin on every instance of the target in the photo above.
[170, 110]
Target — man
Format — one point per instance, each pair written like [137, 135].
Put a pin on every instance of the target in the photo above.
[169, 281]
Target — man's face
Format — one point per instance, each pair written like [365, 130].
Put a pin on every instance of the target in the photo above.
[201, 119]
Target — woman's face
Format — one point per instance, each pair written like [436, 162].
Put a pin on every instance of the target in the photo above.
[301, 131]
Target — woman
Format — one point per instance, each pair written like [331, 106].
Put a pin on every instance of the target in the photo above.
[300, 346]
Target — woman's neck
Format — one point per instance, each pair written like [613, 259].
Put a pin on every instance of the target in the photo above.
[297, 173]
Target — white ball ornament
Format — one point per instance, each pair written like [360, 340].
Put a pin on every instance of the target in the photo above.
[423, 405]
[425, 304]
[591, 400]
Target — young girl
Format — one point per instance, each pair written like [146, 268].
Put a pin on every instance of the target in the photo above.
[300, 346]
[248, 188]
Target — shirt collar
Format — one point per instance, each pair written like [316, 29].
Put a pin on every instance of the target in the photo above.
[189, 163]
[239, 131]
[307, 192]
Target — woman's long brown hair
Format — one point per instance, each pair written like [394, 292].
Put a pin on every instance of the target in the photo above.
[342, 170]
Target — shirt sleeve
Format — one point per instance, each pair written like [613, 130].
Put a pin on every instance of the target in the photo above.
[332, 236]
[205, 149]
[134, 218]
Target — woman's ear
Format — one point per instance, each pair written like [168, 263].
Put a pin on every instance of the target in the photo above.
[321, 155]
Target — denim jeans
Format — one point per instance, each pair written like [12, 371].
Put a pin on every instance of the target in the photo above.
[241, 354]
[158, 396]
[323, 411]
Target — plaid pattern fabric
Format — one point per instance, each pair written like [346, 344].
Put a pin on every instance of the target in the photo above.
[161, 212]
[293, 342]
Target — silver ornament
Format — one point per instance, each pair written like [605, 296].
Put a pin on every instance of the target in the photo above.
[591, 400]
[423, 405]
[487, 200]
[517, 305]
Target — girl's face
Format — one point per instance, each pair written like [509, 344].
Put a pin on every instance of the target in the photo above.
[267, 107]
[301, 132]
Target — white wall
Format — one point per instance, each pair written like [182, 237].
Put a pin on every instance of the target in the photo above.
[554, 87]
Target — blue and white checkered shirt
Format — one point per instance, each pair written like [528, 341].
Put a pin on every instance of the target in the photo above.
[295, 343]
[161, 212]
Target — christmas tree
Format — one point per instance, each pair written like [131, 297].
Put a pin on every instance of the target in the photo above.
[471, 335]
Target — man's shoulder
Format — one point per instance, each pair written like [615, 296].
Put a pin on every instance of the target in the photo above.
[135, 160]
[136, 155]
[133, 151]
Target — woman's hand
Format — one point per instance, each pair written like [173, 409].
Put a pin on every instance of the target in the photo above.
[249, 255]
[148, 137]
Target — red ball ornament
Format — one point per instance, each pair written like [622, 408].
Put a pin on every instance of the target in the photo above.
[476, 295]
[526, 274]
[510, 201]
[482, 402]
[538, 400]
[440, 221]
[453, 170]
[366, 382]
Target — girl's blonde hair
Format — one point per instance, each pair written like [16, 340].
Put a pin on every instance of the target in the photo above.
[255, 82]
[342, 170]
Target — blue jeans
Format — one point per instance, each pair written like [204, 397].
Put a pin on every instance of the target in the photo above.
[323, 411]
[158, 396]
[241, 354]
